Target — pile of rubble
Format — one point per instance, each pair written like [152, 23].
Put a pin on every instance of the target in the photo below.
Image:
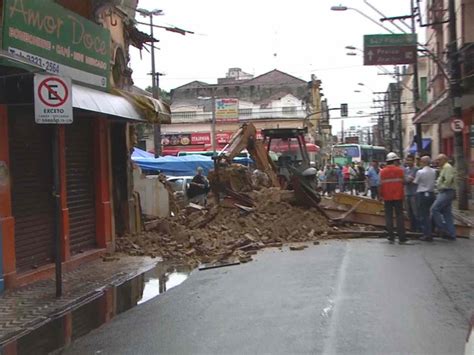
[230, 233]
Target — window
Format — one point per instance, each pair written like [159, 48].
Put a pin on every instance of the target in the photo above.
[289, 109]
[185, 114]
[245, 111]
[423, 90]
[352, 151]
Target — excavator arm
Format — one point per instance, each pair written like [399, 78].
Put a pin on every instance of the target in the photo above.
[246, 138]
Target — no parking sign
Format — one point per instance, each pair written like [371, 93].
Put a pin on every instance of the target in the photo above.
[53, 99]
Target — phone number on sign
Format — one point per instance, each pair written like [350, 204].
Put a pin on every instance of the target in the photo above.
[50, 67]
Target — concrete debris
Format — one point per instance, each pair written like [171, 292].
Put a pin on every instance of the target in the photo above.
[223, 234]
[298, 247]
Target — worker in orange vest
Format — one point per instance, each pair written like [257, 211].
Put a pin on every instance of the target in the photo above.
[392, 193]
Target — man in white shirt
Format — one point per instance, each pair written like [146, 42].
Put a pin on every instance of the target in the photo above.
[425, 179]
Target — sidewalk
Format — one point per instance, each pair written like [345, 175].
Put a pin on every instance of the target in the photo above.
[27, 308]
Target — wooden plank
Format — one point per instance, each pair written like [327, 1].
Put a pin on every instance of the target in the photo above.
[379, 220]
[347, 213]
[368, 205]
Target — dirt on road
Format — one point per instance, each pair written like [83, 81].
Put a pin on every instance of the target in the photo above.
[230, 233]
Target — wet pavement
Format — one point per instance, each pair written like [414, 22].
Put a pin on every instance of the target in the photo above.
[28, 308]
[114, 300]
[344, 297]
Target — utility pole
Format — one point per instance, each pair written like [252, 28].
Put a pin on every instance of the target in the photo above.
[456, 94]
[213, 123]
[416, 89]
[398, 116]
[154, 90]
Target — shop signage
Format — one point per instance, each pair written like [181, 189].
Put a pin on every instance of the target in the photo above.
[457, 125]
[390, 49]
[60, 41]
[200, 138]
[53, 100]
[224, 137]
[227, 110]
[176, 139]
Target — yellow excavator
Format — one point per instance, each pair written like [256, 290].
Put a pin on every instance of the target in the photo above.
[233, 179]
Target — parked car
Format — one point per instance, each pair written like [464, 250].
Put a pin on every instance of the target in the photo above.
[180, 185]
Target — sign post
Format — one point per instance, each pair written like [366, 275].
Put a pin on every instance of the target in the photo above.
[53, 99]
[53, 105]
[457, 125]
[390, 49]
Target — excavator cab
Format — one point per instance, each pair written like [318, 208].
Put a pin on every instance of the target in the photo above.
[290, 146]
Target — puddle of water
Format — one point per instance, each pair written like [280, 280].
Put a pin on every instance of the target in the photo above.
[62, 331]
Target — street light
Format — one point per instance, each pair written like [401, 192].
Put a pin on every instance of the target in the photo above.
[351, 53]
[345, 8]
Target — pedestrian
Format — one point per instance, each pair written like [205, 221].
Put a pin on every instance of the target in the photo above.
[425, 180]
[346, 176]
[353, 178]
[340, 178]
[331, 179]
[373, 179]
[411, 192]
[392, 192]
[441, 210]
[198, 188]
[360, 170]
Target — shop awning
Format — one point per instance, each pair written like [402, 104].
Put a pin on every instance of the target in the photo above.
[437, 111]
[155, 111]
[440, 110]
[425, 143]
[98, 101]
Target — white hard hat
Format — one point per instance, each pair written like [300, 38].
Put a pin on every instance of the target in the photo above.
[392, 156]
[310, 172]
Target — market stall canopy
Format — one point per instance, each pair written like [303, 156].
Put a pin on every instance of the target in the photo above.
[155, 110]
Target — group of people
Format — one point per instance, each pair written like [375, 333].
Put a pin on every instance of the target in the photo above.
[353, 178]
[334, 176]
[427, 194]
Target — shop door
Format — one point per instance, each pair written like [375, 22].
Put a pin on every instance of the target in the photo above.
[32, 184]
[80, 185]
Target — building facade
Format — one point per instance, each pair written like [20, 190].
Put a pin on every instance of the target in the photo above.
[438, 112]
[64, 182]
[271, 100]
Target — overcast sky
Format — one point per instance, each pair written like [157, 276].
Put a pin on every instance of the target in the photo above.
[300, 37]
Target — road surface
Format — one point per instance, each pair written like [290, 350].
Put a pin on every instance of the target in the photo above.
[339, 297]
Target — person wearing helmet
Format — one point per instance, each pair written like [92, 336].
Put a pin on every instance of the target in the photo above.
[392, 193]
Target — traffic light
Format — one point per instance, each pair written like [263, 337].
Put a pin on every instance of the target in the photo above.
[344, 110]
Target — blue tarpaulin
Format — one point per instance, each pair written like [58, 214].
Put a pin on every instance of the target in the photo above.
[139, 153]
[177, 166]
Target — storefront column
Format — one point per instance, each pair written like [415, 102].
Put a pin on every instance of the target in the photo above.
[65, 248]
[101, 164]
[7, 222]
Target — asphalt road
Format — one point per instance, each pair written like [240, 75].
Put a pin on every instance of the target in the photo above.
[340, 297]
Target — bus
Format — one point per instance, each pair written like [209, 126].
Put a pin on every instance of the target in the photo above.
[356, 153]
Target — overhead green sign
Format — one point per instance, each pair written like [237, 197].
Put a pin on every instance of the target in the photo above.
[58, 40]
[408, 39]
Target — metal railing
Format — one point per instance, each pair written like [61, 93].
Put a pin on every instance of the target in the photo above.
[244, 115]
